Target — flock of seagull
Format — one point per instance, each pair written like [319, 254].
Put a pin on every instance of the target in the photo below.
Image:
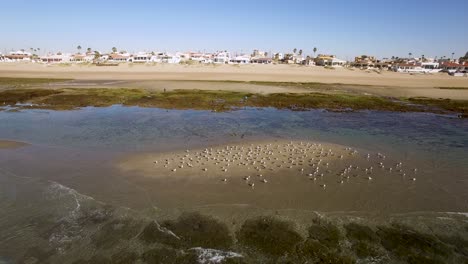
[255, 160]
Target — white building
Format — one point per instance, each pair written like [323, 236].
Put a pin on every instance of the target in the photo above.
[141, 57]
[243, 59]
[119, 57]
[56, 58]
[170, 58]
[222, 57]
[18, 56]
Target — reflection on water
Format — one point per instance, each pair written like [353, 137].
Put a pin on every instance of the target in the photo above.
[78, 149]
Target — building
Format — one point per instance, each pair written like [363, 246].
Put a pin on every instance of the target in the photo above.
[170, 58]
[451, 67]
[364, 62]
[222, 57]
[55, 58]
[141, 57]
[119, 57]
[243, 59]
[261, 60]
[19, 55]
[329, 60]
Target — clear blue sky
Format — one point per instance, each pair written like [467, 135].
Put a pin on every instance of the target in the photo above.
[343, 27]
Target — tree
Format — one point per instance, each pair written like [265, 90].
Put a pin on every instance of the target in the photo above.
[423, 58]
[88, 50]
[315, 50]
[114, 49]
[300, 52]
[453, 53]
[294, 50]
[96, 55]
[277, 57]
[410, 54]
[78, 48]
[266, 54]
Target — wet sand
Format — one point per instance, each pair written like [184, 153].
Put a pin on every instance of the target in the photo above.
[300, 175]
[7, 144]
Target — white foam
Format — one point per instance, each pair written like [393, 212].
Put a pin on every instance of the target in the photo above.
[208, 255]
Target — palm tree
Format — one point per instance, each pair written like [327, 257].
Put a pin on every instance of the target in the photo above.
[300, 52]
[315, 50]
[78, 48]
[96, 55]
[453, 53]
[114, 49]
[88, 50]
[294, 50]
[410, 54]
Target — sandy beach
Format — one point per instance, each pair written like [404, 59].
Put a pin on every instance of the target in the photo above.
[273, 73]
[213, 77]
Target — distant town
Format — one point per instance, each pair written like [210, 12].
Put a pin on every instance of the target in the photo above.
[407, 64]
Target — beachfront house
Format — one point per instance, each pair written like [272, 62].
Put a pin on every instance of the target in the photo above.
[261, 60]
[329, 60]
[119, 57]
[201, 57]
[81, 58]
[19, 55]
[222, 57]
[170, 58]
[141, 57]
[364, 62]
[55, 58]
[451, 67]
[406, 67]
[243, 59]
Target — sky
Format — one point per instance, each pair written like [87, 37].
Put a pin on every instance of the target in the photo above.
[346, 28]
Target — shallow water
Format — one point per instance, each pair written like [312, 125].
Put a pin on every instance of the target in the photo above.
[69, 168]
[79, 148]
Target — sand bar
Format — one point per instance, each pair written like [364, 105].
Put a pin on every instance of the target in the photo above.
[7, 144]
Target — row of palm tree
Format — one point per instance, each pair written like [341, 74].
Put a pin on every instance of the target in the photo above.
[411, 54]
[300, 51]
[88, 50]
